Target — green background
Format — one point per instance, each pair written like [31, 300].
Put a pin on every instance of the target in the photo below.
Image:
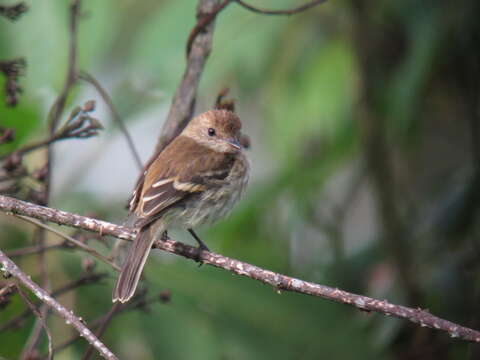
[363, 118]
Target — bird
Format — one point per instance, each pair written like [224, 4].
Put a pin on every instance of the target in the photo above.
[195, 180]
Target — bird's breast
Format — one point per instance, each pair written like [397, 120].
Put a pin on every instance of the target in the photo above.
[216, 202]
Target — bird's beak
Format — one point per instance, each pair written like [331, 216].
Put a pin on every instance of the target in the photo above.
[234, 143]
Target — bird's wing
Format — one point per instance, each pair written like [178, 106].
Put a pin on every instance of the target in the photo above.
[181, 170]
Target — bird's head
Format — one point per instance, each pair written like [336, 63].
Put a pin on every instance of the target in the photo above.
[218, 130]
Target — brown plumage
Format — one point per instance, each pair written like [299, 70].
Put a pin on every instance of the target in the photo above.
[195, 180]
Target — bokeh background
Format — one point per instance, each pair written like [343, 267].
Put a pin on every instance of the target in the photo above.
[363, 119]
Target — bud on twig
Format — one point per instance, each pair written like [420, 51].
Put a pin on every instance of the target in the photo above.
[88, 265]
[12, 69]
[80, 124]
[13, 12]
[6, 292]
[165, 296]
[40, 174]
[224, 104]
[6, 135]
[12, 162]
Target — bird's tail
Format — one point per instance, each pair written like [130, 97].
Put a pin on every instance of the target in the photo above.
[132, 267]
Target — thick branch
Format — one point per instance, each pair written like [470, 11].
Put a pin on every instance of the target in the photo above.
[10, 267]
[183, 101]
[278, 281]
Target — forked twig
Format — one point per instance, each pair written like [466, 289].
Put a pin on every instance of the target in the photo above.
[34, 310]
[11, 268]
[276, 280]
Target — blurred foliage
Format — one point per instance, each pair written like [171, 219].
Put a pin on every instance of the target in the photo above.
[314, 90]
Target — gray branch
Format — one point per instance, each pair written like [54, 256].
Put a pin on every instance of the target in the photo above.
[278, 281]
[183, 102]
[11, 268]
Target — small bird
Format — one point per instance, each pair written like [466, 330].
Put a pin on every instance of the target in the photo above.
[195, 180]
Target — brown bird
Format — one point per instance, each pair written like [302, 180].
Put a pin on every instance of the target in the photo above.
[195, 180]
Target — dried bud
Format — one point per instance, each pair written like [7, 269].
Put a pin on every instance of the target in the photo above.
[40, 174]
[80, 124]
[75, 112]
[224, 104]
[165, 296]
[6, 135]
[89, 106]
[12, 162]
[88, 265]
[12, 69]
[6, 292]
[13, 12]
[228, 105]
[222, 93]
[12, 89]
[95, 124]
[245, 141]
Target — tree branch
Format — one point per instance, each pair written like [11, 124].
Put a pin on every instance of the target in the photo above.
[278, 281]
[54, 116]
[183, 102]
[139, 301]
[203, 21]
[11, 268]
[34, 310]
[101, 329]
[85, 76]
[75, 242]
[87, 279]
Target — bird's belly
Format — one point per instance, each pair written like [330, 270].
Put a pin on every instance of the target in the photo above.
[209, 206]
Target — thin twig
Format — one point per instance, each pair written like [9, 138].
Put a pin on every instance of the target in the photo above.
[278, 281]
[77, 243]
[138, 302]
[280, 12]
[11, 268]
[34, 310]
[101, 328]
[90, 278]
[203, 21]
[37, 145]
[30, 250]
[116, 116]
[54, 116]
[33, 339]
[71, 77]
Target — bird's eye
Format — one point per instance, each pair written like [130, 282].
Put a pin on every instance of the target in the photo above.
[211, 132]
